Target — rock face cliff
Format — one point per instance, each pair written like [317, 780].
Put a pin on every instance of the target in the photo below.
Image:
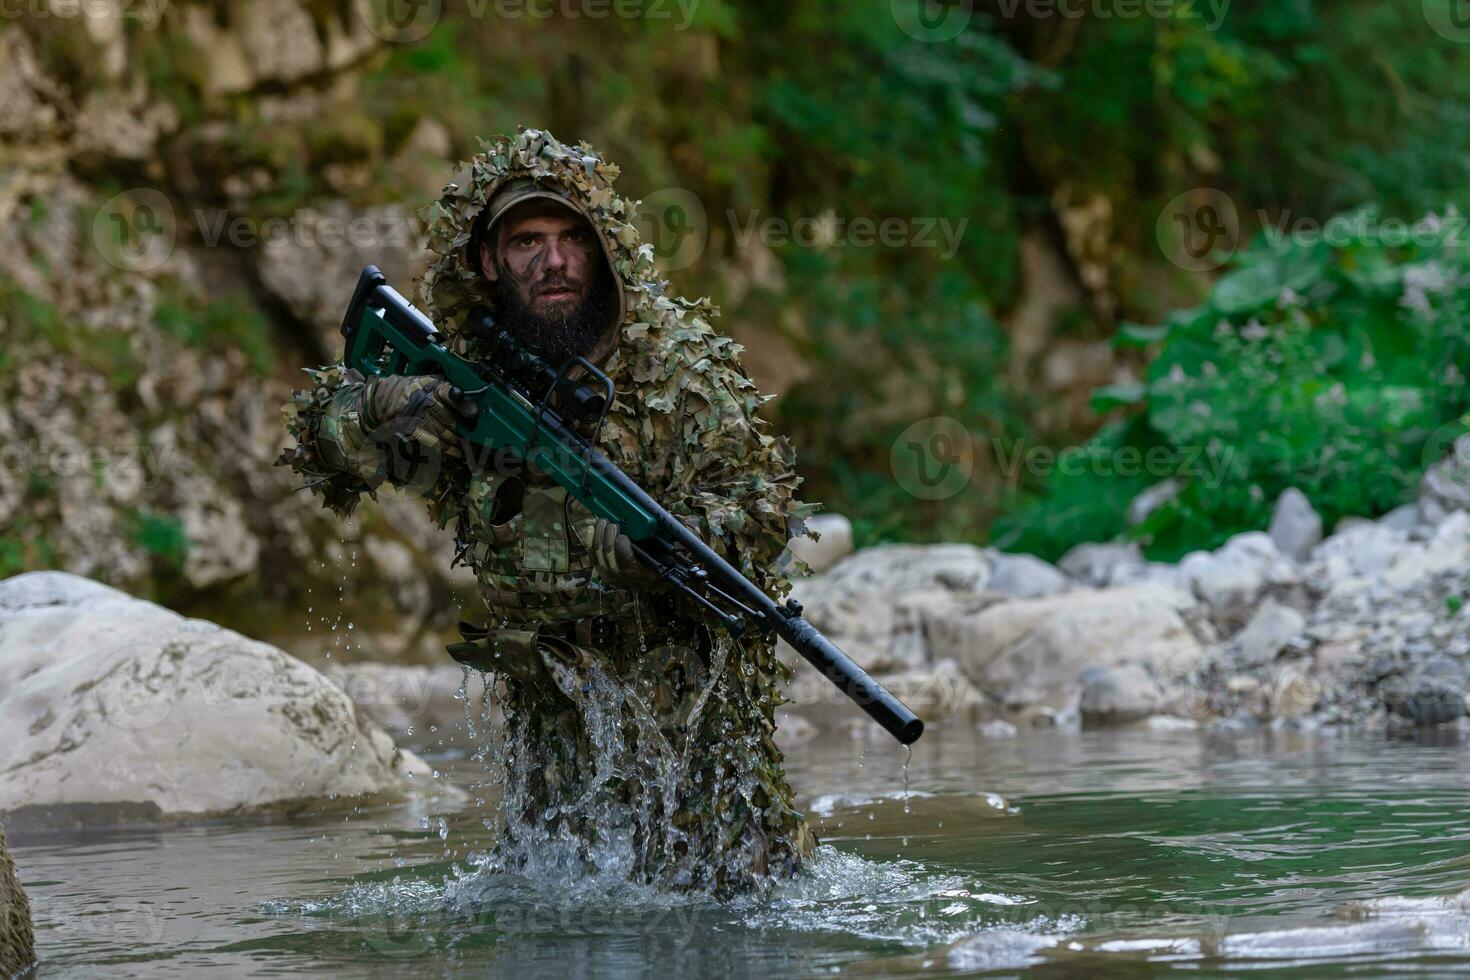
[166, 267]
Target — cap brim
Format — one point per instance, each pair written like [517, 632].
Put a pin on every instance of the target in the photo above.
[520, 199]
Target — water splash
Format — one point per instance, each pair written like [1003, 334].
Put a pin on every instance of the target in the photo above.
[611, 785]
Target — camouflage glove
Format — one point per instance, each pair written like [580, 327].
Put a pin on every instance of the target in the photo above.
[400, 409]
[611, 552]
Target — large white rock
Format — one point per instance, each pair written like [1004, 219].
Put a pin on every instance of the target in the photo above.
[1234, 576]
[113, 707]
[1032, 651]
[425, 707]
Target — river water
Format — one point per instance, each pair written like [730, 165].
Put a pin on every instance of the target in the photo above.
[1056, 853]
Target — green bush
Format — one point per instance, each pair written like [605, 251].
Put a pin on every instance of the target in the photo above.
[1337, 370]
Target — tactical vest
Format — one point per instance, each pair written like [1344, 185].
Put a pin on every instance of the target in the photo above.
[525, 539]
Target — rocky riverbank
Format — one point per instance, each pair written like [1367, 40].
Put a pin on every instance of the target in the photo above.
[113, 708]
[1366, 627]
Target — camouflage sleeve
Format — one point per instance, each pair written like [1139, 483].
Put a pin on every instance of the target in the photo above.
[717, 464]
[329, 446]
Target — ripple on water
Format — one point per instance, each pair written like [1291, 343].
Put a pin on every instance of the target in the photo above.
[896, 902]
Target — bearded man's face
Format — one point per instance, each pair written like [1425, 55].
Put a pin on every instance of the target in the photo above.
[552, 288]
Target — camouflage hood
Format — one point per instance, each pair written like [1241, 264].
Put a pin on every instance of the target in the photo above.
[578, 177]
[684, 422]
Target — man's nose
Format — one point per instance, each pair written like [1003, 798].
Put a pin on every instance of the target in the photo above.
[556, 256]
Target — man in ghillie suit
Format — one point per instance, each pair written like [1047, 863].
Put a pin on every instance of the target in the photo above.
[638, 739]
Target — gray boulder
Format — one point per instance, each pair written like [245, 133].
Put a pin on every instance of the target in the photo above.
[1156, 496]
[1102, 565]
[1117, 696]
[835, 544]
[900, 568]
[1025, 652]
[1233, 577]
[17, 936]
[1296, 528]
[1267, 633]
[1445, 487]
[1432, 693]
[1026, 577]
[1405, 518]
[113, 708]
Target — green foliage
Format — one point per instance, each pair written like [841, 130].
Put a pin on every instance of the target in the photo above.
[1294, 108]
[107, 351]
[1331, 369]
[217, 325]
[162, 536]
[24, 548]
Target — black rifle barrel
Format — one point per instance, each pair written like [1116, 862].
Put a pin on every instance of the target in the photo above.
[805, 639]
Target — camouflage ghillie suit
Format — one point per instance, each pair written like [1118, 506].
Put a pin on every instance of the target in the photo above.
[637, 739]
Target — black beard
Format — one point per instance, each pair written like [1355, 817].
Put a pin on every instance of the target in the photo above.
[558, 336]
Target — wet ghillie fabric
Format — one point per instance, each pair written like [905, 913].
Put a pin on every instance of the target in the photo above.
[627, 717]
